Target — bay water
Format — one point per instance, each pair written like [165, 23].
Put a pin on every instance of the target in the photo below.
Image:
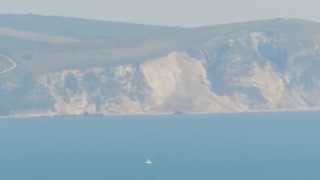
[253, 146]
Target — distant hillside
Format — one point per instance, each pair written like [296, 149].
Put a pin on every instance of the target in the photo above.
[81, 28]
[70, 66]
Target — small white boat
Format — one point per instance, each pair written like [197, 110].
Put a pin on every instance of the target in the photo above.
[148, 162]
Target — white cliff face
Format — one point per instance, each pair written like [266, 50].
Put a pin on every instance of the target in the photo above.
[174, 83]
[269, 83]
[179, 83]
[162, 76]
[67, 100]
[234, 78]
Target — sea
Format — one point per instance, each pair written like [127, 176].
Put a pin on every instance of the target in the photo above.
[253, 146]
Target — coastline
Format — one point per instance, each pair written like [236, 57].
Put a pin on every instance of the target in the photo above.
[53, 114]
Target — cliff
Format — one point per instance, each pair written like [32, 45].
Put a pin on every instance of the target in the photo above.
[256, 66]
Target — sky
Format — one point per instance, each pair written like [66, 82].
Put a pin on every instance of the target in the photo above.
[188, 13]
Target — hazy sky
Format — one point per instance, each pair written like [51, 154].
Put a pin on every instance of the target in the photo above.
[168, 12]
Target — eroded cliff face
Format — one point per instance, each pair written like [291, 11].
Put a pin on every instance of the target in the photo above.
[180, 82]
[173, 83]
[265, 71]
[96, 90]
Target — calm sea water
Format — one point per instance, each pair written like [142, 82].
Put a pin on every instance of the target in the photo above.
[284, 146]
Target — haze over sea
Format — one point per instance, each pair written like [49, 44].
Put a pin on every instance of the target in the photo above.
[254, 146]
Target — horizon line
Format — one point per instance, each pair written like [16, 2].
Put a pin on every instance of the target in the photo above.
[157, 25]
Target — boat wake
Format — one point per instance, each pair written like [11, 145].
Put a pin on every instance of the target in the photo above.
[148, 162]
[12, 65]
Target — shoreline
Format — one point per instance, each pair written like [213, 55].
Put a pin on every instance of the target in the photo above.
[49, 115]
